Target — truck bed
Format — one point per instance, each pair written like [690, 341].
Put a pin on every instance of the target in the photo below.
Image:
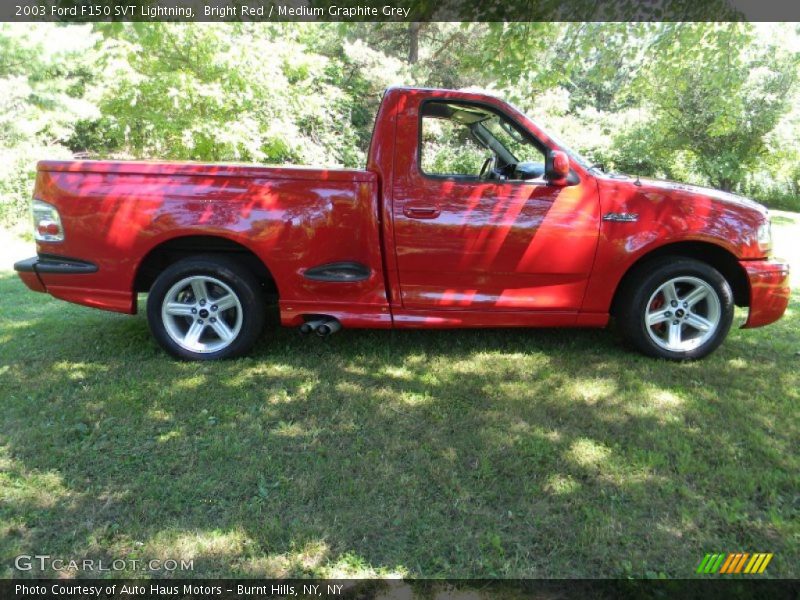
[121, 214]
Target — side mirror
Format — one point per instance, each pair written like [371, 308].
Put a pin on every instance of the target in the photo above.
[556, 168]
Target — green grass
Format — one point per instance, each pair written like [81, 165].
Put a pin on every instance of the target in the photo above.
[461, 454]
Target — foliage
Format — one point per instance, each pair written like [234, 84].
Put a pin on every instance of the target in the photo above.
[448, 149]
[42, 84]
[708, 103]
[719, 114]
[244, 93]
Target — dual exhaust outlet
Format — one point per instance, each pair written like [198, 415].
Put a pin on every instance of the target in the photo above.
[322, 327]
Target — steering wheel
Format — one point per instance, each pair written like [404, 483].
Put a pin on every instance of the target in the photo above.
[485, 168]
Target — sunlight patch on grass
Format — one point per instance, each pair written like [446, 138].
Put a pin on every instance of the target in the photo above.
[519, 426]
[313, 559]
[80, 371]
[553, 436]
[278, 395]
[625, 476]
[263, 372]
[592, 390]
[737, 363]
[498, 363]
[561, 485]
[349, 389]
[449, 454]
[397, 372]
[663, 405]
[588, 453]
[193, 382]
[303, 562]
[295, 430]
[665, 400]
[355, 369]
[353, 566]
[192, 545]
[415, 398]
[312, 555]
[510, 390]
[270, 566]
[169, 435]
[30, 489]
[18, 324]
[159, 414]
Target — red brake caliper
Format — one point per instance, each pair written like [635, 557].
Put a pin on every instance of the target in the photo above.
[657, 303]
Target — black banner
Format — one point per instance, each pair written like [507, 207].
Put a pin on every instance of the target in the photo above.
[363, 589]
[397, 10]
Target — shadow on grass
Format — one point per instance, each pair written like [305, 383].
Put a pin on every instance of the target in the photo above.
[506, 453]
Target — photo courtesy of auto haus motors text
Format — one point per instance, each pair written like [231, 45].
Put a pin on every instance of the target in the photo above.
[167, 590]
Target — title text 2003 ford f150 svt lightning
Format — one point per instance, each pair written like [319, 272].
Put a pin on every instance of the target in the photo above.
[468, 215]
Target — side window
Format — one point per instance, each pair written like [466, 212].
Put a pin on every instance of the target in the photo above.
[457, 139]
[448, 148]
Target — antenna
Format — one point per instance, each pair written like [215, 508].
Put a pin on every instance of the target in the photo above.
[639, 165]
[639, 161]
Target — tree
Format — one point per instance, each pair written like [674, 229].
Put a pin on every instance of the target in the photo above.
[715, 94]
[243, 92]
[42, 82]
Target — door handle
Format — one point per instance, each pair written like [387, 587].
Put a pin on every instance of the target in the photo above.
[421, 212]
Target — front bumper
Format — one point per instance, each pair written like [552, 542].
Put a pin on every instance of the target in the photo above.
[769, 291]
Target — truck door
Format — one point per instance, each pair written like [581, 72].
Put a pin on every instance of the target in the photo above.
[476, 225]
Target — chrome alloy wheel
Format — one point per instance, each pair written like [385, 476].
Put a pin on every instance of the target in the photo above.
[682, 314]
[202, 314]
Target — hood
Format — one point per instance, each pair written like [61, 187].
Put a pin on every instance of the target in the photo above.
[685, 188]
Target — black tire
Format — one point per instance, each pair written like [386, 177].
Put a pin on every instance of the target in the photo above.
[646, 291]
[224, 331]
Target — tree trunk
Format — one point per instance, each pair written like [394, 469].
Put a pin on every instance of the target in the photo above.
[413, 42]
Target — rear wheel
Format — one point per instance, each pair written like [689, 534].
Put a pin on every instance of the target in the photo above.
[676, 308]
[206, 308]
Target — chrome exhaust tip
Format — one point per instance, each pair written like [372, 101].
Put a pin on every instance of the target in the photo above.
[328, 328]
[310, 326]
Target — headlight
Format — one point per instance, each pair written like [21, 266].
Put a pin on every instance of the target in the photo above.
[46, 222]
[764, 236]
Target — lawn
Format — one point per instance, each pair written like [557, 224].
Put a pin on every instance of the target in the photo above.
[429, 453]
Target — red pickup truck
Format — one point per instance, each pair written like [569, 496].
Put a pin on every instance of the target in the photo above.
[468, 215]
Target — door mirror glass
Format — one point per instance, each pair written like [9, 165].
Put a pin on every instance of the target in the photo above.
[557, 167]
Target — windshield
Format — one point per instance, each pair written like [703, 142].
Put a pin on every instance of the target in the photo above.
[572, 154]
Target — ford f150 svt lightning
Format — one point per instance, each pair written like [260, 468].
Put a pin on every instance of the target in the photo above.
[468, 215]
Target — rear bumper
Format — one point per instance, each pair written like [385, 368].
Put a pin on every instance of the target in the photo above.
[769, 291]
[31, 269]
[46, 263]
[77, 281]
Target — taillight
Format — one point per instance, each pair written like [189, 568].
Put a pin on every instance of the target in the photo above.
[46, 222]
[764, 237]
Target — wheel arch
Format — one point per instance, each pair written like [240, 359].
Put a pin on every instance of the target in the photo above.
[174, 249]
[712, 254]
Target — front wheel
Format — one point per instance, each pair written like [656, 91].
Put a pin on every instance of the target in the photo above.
[676, 308]
[205, 308]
